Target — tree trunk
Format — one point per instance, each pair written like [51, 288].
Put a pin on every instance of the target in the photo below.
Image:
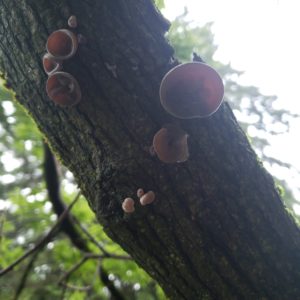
[218, 228]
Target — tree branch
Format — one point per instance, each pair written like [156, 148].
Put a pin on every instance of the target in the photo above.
[26, 272]
[44, 240]
[53, 188]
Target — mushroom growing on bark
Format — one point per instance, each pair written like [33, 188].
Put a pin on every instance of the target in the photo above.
[62, 44]
[191, 90]
[140, 192]
[63, 89]
[50, 64]
[72, 22]
[170, 144]
[128, 205]
[147, 198]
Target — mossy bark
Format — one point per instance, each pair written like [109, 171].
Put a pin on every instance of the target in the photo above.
[218, 228]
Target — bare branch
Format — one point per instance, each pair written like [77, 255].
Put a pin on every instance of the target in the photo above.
[106, 256]
[88, 256]
[58, 205]
[75, 287]
[44, 240]
[72, 270]
[91, 238]
[26, 272]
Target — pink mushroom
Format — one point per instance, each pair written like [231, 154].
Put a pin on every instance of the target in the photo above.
[147, 198]
[128, 205]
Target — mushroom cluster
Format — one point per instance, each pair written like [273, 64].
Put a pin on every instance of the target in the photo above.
[145, 199]
[190, 90]
[61, 87]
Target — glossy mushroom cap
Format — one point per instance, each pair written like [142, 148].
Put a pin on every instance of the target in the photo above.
[170, 144]
[191, 90]
[50, 64]
[63, 89]
[62, 44]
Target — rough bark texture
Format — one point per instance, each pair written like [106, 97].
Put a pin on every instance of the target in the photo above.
[218, 228]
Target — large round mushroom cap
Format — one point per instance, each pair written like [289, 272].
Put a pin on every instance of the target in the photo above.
[62, 44]
[191, 90]
[63, 89]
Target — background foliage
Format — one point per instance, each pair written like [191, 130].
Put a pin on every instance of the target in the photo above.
[26, 212]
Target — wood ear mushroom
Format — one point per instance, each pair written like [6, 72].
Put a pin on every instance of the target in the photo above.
[63, 89]
[62, 44]
[170, 144]
[191, 90]
[50, 64]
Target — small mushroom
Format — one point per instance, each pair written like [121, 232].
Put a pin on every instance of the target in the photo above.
[51, 64]
[170, 144]
[63, 89]
[62, 44]
[72, 22]
[147, 198]
[140, 192]
[128, 205]
[191, 90]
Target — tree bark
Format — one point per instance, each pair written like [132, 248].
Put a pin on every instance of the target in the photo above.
[218, 228]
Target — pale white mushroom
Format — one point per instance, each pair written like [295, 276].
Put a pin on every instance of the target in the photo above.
[140, 192]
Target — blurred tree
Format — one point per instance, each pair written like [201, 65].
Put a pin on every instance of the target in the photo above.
[255, 112]
[28, 213]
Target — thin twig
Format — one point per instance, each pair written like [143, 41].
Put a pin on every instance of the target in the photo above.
[72, 270]
[88, 256]
[106, 254]
[63, 291]
[2, 220]
[91, 238]
[44, 239]
[75, 287]
[26, 272]
[104, 277]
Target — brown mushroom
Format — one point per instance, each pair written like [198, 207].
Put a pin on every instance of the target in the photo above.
[63, 89]
[62, 44]
[191, 90]
[170, 144]
[51, 64]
